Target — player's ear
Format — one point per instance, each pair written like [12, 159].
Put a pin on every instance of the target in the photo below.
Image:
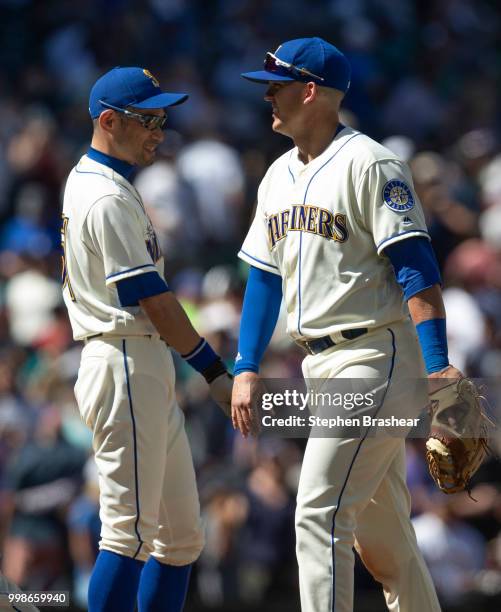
[106, 120]
[310, 92]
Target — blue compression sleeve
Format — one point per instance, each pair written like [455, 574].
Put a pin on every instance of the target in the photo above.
[135, 288]
[415, 265]
[261, 307]
[433, 340]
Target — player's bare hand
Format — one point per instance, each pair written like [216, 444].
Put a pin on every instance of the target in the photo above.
[443, 377]
[448, 372]
[243, 413]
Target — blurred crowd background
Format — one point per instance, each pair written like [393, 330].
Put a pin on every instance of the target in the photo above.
[426, 82]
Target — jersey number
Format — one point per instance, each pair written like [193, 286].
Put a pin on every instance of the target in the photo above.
[64, 269]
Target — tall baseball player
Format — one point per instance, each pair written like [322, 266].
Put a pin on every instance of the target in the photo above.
[340, 234]
[121, 308]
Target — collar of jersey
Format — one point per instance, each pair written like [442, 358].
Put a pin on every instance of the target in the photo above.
[297, 166]
[122, 167]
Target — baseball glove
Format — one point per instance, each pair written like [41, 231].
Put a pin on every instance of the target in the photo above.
[458, 438]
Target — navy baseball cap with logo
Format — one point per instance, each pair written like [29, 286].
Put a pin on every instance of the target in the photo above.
[125, 86]
[305, 60]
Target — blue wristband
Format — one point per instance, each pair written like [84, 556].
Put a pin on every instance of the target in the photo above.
[433, 340]
[202, 356]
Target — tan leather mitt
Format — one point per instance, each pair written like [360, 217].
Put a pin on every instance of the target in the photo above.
[458, 438]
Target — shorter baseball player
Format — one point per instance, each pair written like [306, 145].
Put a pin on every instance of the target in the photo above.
[340, 234]
[121, 307]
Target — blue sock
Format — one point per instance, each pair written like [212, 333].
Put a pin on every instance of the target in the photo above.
[163, 587]
[114, 583]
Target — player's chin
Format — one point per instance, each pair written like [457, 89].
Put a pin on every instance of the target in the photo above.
[277, 125]
[148, 157]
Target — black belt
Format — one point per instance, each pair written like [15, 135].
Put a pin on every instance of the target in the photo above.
[92, 337]
[317, 345]
[89, 338]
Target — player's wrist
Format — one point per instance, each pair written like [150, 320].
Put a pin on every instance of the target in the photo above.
[245, 366]
[449, 373]
[206, 361]
[214, 370]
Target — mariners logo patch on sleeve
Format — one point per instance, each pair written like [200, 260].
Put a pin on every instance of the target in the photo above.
[397, 195]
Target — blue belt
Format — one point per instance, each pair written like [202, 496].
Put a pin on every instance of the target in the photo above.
[317, 345]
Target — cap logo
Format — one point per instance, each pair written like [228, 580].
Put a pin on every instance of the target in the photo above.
[150, 76]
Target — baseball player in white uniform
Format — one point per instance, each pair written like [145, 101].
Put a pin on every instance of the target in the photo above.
[121, 308]
[340, 234]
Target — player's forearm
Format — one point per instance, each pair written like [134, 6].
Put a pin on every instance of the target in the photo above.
[416, 270]
[427, 304]
[260, 311]
[171, 321]
[428, 314]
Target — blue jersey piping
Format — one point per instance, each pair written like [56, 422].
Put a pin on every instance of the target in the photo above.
[134, 440]
[130, 270]
[258, 260]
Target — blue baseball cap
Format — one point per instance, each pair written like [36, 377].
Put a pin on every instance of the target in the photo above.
[135, 87]
[305, 59]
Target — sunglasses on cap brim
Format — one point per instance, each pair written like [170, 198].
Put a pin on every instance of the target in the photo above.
[150, 122]
[277, 66]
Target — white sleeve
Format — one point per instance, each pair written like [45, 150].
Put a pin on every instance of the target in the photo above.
[113, 232]
[256, 247]
[388, 204]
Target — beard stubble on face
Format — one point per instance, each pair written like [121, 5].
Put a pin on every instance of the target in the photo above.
[135, 145]
[146, 157]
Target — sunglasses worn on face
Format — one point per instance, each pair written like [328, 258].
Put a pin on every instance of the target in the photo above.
[150, 122]
[277, 66]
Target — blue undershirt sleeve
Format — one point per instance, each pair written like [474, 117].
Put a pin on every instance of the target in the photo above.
[260, 311]
[415, 265]
[131, 290]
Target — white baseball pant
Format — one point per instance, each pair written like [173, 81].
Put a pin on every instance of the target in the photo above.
[148, 496]
[352, 492]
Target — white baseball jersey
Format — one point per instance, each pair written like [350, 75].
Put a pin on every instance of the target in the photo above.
[106, 236]
[322, 227]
